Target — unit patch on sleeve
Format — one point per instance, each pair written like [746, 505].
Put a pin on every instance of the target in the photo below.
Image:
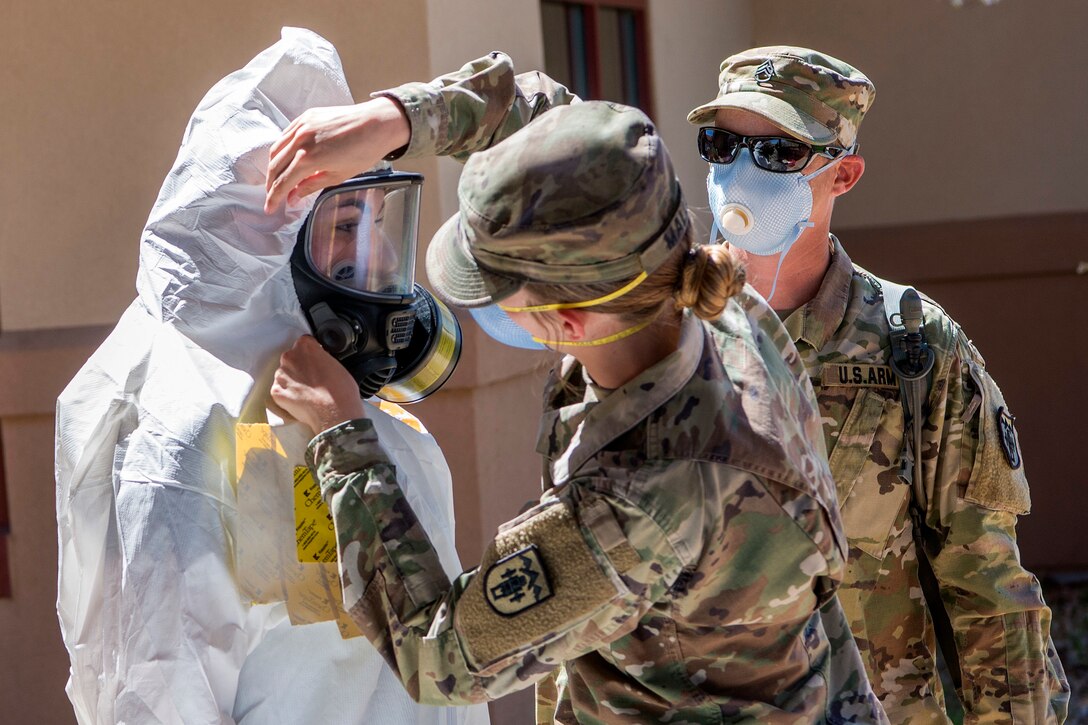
[1009, 443]
[517, 582]
[859, 375]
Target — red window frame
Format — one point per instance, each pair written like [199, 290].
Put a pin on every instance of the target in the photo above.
[593, 59]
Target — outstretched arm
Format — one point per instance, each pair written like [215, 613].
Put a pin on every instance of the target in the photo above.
[554, 584]
[454, 115]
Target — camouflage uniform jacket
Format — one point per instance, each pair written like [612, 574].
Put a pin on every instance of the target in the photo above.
[975, 486]
[676, 562]
[999, 615]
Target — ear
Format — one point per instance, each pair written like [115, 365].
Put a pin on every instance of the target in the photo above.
[574, 323]
[847, 174]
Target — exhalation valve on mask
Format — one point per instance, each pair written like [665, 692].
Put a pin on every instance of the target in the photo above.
[353, 269]
[736, 219]
[760, 211]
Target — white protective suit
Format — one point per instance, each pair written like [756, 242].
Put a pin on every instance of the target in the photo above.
[150, 607]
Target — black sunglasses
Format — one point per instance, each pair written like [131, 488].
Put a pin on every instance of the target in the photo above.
[779, 154]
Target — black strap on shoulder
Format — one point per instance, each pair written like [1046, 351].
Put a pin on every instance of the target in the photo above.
[912, 360]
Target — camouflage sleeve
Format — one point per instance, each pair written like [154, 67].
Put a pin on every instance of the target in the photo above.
[1001, 624]
[554, 584]
[474, 108]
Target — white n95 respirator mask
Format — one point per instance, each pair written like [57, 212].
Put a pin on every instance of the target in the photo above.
[760, 211]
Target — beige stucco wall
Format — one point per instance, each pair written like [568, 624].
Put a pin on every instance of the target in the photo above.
[968, 97]
[480, 413]
[102, 95]
[99, 94]
[688, 41]
[33, 663]
[979, 109]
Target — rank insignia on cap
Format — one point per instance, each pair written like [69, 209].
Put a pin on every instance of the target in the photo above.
[517, 582]
[1009, 443]
[764, 72]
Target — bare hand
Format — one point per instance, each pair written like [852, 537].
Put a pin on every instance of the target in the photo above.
[325, 146]
[312, 387]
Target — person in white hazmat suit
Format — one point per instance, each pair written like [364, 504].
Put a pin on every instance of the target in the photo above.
[154, 529]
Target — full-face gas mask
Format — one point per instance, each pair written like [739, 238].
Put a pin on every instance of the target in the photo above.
[354, 268]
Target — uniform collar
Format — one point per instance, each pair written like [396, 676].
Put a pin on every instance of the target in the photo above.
[817, 319]
[622, 409]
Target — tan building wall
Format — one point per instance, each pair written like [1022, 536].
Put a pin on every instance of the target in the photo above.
[973, 103]
[972, 193]
[686, 48]
[974, 162]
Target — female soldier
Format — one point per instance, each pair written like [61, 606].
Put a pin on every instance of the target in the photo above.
[687, 537]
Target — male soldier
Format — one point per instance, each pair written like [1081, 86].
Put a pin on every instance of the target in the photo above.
[783, 116]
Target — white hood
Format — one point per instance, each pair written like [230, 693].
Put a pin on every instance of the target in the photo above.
[151, 613]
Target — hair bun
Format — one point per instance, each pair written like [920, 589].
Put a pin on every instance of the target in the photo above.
[710, 276]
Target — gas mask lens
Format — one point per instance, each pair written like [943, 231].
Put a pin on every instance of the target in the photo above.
[363, 238]
[353, 270]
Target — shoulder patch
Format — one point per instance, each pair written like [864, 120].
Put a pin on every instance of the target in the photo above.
[997, 478]
[1009, 442]
[503, 610]
[517, 582]
[858, 375]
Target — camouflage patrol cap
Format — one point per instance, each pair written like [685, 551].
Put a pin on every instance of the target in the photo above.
[586, 193]
[809, 95]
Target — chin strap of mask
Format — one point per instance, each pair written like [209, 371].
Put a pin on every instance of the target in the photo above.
[715, 231]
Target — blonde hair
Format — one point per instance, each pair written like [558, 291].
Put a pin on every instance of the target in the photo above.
[701, 277]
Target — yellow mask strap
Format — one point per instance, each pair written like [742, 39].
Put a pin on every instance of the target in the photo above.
[575, 305]
[593, 343]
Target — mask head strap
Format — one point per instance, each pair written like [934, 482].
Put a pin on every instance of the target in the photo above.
[585, 303]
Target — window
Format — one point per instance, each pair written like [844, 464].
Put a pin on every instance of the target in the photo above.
[5, 528]
[598, 49]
